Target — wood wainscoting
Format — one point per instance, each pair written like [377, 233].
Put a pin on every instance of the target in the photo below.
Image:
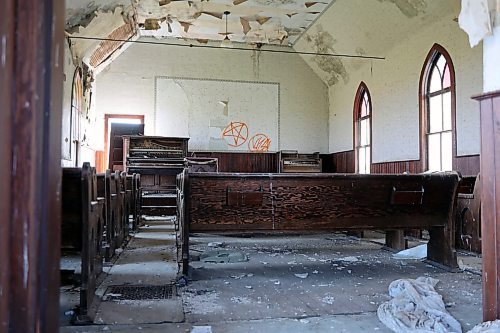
[397, 167]
[243, 162]
[344, 162]
[467, 165]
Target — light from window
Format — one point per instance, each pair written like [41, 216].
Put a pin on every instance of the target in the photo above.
[439, 116]
[363, 140]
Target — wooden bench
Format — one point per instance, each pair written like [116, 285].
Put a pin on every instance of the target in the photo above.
[468, 215]
[222, 202]
[82, 226]
[118, 190]
[106, 189]
[137, 193]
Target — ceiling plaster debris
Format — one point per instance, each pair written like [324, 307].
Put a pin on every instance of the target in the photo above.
[278, 22]
[323, 42]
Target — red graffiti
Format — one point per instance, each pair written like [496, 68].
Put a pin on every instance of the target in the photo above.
[236, 133]
[259, 142]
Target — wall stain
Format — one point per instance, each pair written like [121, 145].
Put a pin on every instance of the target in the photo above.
[323, 42]
[410, 8]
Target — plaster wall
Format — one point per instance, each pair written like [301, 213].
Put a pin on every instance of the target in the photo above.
[394, 88]
[491, 60]
[127, 86]
[67, 148]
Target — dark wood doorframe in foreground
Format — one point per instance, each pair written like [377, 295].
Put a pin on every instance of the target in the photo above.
[31, 76]
[107, 117]
[490, 202]
[6, 69]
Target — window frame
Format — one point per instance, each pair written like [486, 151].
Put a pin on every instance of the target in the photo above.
[424, 99]
[358, 102]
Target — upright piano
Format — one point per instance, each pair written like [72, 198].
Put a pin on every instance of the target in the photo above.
[158, 160]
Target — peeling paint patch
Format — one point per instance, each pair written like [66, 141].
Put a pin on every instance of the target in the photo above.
[323, 42]
[276, 2]
[410, 8]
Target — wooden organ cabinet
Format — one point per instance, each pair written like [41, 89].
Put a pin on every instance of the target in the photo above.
[158, 160]
[292, 161]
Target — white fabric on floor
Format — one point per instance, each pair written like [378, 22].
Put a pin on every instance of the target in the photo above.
[416, 307]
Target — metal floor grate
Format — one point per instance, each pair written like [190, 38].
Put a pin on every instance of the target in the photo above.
[141, 292]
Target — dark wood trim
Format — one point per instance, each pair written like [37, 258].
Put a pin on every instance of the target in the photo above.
[106, 143]
[467, 165]
[356, 109]
[429, 60]
[6, 80]
[410, 166]
[35, 34]
[490, 218]
[344, 162]
[244, 162]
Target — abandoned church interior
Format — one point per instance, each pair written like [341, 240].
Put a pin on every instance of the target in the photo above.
[249, 166]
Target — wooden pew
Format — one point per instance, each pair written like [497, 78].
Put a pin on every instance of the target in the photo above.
[82, 225]
[107, 189]
[137, 201]
[129, 200]
[468, 215]
[118, 191]
[324, 202]
[182, 224]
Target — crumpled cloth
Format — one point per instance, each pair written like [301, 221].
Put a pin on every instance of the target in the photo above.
[487, 327]
[477, 18]
[416, 307]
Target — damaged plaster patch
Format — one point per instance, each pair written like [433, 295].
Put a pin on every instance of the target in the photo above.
[276, 2]
[81, 16]
[410, 8]
[323, 42]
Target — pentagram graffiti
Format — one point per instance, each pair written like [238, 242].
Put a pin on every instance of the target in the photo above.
[236, 133]
[259, 142]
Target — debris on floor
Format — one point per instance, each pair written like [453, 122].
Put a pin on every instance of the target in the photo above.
[416, 307]
[417, 252]
[223, 256]
[487, 327]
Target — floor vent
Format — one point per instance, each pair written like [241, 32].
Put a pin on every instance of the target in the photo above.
[140, 292]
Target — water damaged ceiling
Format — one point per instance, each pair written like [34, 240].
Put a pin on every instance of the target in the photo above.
[353, 27]
[250, 21]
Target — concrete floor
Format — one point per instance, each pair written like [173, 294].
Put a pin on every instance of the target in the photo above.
[340, 282]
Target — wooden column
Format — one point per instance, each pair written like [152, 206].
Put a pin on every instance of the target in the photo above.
[490, 203]
[31, 76]
[6, 66]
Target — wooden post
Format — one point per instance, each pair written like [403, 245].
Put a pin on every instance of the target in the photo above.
[6, 68]
[490, 203]
[31, 76]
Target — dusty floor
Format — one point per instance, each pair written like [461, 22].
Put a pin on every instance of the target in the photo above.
[313, 283]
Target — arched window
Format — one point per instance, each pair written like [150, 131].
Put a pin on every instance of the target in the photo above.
[363, 129]
[437, 105]
[76, 113]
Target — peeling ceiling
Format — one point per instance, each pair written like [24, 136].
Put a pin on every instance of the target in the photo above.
[355, 27]
[278, 22]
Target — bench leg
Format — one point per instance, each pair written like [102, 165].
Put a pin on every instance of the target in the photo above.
[440, 248]
[395, 239]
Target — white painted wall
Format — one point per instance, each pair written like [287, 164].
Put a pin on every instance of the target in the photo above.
[394, 89]
[491, 60]
[127, 86]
